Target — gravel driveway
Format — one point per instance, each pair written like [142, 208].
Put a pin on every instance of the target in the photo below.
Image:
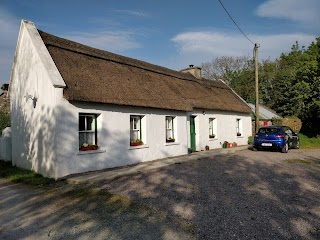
[246, 195]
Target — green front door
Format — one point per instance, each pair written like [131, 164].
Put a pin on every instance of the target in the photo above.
[192, 134]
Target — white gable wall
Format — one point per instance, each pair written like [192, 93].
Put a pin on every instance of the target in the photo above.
[33, 101]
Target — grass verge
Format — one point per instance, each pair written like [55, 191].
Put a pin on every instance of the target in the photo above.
[16, 174]
[306, 142]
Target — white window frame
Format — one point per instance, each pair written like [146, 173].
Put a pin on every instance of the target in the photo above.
[238, 127]
[86, 130]
[133, 129]
[212, 129]
[170, 128]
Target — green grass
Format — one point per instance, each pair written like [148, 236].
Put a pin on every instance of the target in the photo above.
[16, 174]
[306, 142]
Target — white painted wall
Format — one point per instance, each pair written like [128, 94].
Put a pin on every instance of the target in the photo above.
[226, 128]
[114, 137]
[32, 99]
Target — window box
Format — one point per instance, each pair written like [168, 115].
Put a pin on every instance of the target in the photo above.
[89, 148]
[136, 143]
[170, 140]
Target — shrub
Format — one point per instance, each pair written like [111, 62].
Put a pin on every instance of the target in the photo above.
[4, 120]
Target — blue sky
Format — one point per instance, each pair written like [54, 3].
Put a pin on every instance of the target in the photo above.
[172, 33]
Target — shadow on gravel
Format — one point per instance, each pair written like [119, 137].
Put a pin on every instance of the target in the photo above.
[81, 213]
[224, 197]
[233, 196]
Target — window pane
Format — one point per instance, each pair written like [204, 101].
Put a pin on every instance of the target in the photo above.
[82, 139]
[168, 122]
[134, 135]
[131, 123]
[87, 138]
[82, 123]
[90, 123]
[169, 133]
[135, 123]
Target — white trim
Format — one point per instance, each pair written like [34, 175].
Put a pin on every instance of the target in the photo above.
[138, 147]
[44, 55]
[171, 143]
[100, 150]
[213, 139]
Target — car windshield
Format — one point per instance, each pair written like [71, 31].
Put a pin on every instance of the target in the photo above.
[269, 130]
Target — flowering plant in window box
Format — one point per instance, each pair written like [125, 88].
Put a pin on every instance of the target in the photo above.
[137, 142]
[88, 147]
[170, 140]
[212, 136]
[238, 134]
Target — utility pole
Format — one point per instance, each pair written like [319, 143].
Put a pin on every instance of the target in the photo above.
[256, 46]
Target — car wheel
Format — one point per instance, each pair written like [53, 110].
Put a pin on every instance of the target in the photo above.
[285, 148]
[297, 145]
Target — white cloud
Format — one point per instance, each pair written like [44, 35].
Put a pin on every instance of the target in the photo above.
[198, 47]
[305, 12]
[9, 26]
[116, 41]
[132, 12]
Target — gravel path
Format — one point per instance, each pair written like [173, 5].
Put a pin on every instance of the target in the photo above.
[71, 212]
[246, 195]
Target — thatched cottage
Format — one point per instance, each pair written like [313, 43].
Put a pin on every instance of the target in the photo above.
[76, 108]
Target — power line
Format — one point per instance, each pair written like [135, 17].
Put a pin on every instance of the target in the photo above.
[235, 22]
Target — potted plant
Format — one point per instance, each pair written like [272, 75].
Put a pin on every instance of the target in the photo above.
[207, 148]
[212, 136]
[225, 144]
[170, 140]
[137, 142]
[238, 134]
[88, 147]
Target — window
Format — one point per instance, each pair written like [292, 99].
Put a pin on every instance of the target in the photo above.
[169, 129]
[238, 127]
[135, 131]
[212, 127]
[87, 130]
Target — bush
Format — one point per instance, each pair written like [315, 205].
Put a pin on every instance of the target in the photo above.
[250, 139]
[5, 120]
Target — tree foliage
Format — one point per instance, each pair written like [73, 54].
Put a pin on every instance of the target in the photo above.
[290, 85]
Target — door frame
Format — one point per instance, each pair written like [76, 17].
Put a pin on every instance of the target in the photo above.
[193, 144]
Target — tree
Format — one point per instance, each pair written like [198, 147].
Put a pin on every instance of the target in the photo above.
[224, 67]
[237, 72]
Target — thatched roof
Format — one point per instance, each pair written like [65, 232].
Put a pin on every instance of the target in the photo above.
[93, 75]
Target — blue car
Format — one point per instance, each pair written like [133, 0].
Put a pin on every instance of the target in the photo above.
[276, 137]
